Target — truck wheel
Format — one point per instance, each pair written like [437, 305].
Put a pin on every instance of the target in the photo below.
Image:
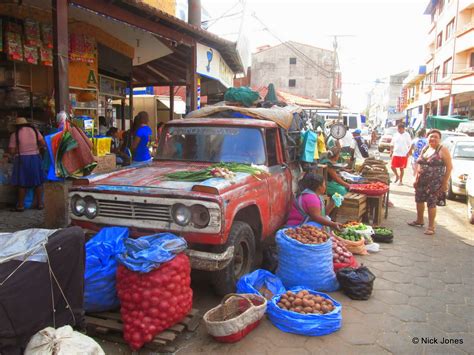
[381, 150]
[242, 238]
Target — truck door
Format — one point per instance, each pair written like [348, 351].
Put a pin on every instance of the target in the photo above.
[279, 182]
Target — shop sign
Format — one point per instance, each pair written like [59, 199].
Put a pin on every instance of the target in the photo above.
[211, 64]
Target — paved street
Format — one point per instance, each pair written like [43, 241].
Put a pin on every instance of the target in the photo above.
[424, 288]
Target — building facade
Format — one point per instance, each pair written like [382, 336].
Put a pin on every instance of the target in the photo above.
[383, 101]
[298, 69]
[448, 87]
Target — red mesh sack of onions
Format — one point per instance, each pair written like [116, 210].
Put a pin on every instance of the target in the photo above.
[154, 301]
[341, 257]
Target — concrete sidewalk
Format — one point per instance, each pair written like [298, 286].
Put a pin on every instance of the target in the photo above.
[424, 290]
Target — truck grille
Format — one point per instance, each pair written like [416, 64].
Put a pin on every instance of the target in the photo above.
[134, 210]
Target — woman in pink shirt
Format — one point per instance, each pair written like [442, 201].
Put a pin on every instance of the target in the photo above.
[25, 144]
[309, 203]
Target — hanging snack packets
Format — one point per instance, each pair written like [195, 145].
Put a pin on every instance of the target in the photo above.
[31, 54]
[46, 56]
[32, 33]
[47, 35]
[13, 42]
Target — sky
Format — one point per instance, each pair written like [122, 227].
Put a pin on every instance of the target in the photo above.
[377, 38]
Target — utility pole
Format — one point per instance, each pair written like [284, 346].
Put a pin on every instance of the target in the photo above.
[332, 87]
[333, 76]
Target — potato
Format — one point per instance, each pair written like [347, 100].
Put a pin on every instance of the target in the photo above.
[325, 309]
[284, 296]
[298, 302]
[299, 295]
[305, 302]
[317, 307]
[298, 309]
[308, 309]
[305, 292]
[311, 303]
[290, 294]
[291, 298]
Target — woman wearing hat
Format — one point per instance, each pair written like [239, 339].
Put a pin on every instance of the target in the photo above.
[25, 144]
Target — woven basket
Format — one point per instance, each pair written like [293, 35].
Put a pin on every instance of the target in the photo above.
[235, 317]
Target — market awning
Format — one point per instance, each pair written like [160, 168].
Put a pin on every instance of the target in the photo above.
[179, 104]
[395, 117]
[445, 122]
[431, 6]
[146, 45]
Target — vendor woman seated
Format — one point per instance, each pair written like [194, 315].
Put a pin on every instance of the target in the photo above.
[309, 206]
[335, 182]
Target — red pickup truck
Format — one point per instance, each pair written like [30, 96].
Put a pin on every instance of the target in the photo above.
[225, 222]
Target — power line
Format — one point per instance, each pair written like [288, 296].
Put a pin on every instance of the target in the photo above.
[224, 14]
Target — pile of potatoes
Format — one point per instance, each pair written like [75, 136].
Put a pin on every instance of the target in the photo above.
[305, 303]
[308, 235]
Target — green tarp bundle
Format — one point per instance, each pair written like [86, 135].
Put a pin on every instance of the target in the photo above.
[243, 95]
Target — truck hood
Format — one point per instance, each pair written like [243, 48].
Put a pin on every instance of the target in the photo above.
[151, 179]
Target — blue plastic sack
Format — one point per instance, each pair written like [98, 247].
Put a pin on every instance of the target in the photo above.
[99, 290]
[308, 265]
[147, 253]
[253, 282]
[308, 146]
[305, 324]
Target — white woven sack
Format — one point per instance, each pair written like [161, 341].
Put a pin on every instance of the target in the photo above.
[235, 325]
[62, 341]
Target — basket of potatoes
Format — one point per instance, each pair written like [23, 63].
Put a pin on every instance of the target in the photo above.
[305, 312]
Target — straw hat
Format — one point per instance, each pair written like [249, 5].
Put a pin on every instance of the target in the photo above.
[20, 121]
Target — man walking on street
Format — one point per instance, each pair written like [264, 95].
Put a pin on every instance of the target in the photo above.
[399, 151]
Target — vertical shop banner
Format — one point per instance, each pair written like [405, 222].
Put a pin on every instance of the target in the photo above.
[211, 64]
[83, 64]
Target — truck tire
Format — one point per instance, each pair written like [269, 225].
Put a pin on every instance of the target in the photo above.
[242, 238]
[381, 150]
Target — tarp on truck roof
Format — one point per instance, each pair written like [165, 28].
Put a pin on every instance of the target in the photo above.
[282, 116]
[445, 122]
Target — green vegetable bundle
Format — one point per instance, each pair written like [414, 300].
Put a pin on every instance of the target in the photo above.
[204, 174]
[383, 231]
[349, 235]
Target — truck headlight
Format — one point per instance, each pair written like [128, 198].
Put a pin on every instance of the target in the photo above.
[91, 207]
[181, 214]
[78, 205]
[200, 216]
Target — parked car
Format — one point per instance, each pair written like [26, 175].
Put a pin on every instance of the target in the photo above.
[470, 197]
[447, 136]
[225, 222]
[462, 153]
[386, 139]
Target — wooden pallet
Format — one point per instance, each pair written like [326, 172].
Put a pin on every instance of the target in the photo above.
[109, 326]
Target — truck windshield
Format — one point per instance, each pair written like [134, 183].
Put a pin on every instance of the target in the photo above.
[212, 144]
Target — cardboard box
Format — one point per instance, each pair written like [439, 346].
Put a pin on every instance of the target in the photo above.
[105, 164]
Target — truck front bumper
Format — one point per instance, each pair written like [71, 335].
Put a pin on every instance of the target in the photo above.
[201, 260]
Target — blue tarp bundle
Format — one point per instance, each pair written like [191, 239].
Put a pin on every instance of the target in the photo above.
[147, 253]
[99, 293]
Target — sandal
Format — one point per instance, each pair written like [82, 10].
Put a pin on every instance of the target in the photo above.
[429, 231]
[415, 224]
